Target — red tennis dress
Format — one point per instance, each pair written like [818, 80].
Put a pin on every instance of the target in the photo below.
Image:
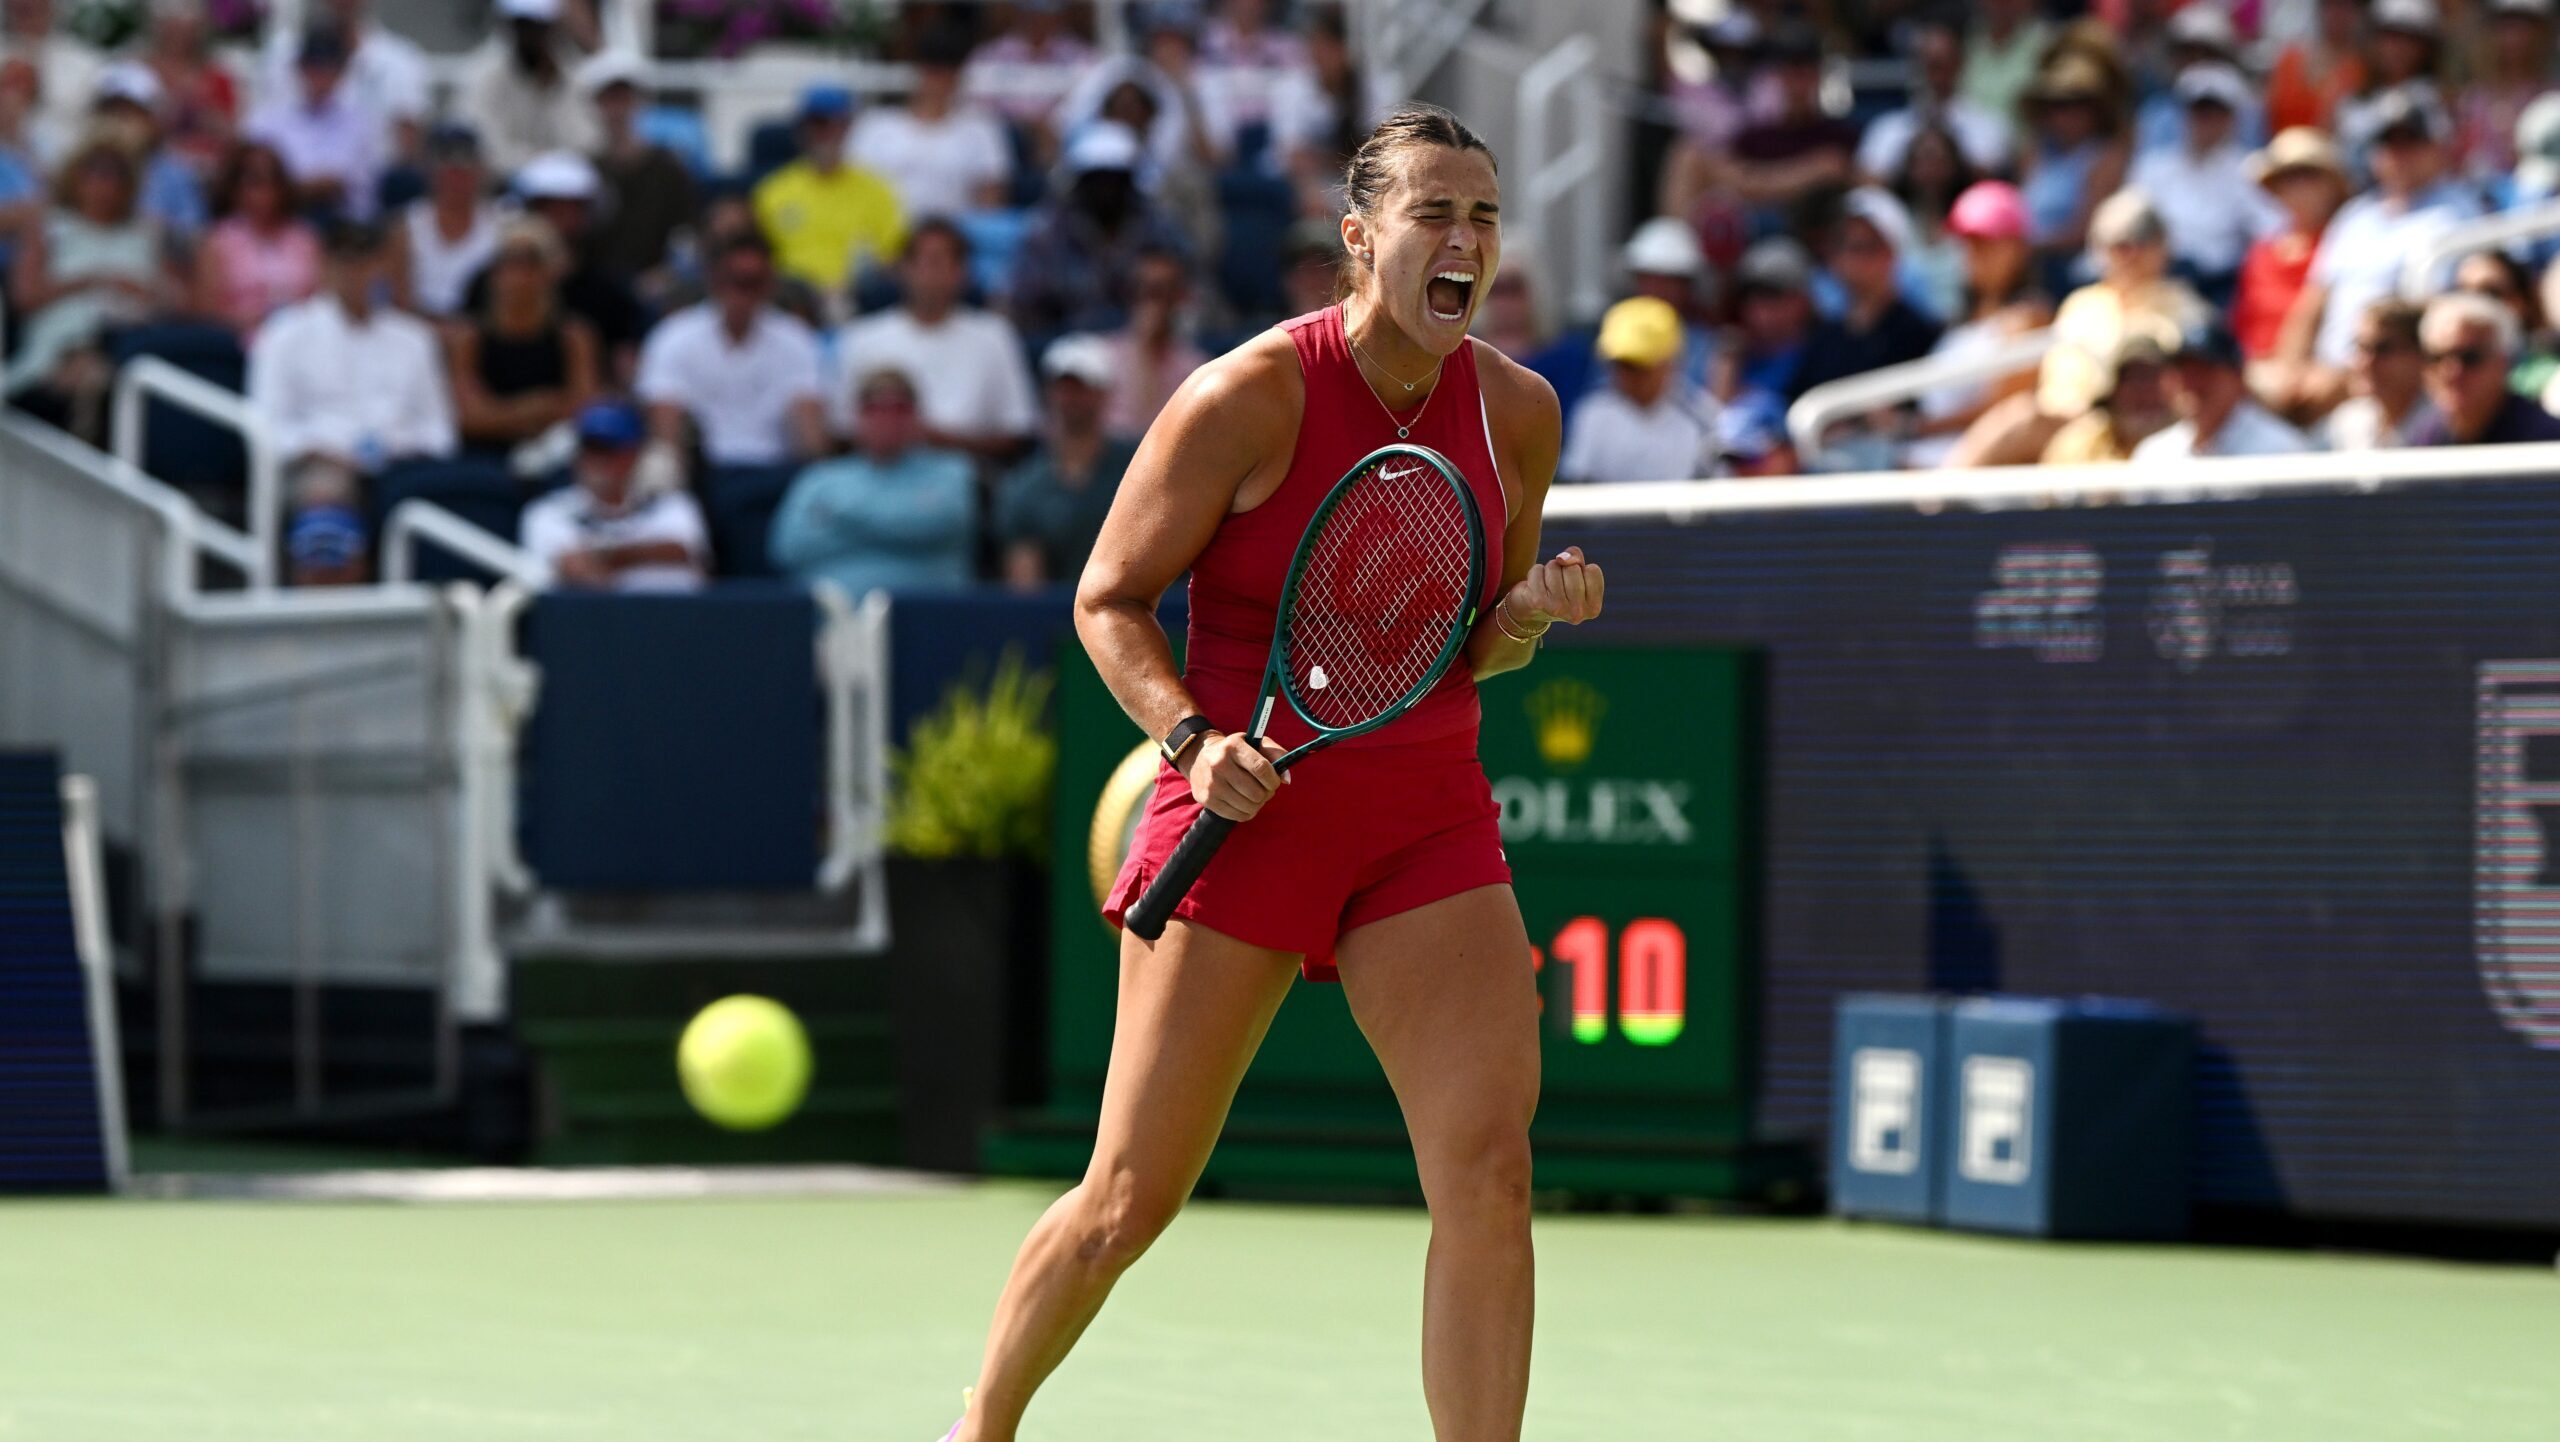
[1371, 826]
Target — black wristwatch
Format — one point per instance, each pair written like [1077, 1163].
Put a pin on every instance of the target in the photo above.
[1184, 732]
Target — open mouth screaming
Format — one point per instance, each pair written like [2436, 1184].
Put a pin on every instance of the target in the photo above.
[1448, 294]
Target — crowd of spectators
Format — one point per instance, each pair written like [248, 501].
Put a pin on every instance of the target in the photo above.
[912, 339]
[2224, 214]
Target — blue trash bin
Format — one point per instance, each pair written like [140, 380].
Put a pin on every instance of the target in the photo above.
[2069, 1118]
[1887, 1107]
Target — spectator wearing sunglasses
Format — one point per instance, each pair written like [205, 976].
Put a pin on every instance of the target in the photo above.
[2470, 341]
[740, 373]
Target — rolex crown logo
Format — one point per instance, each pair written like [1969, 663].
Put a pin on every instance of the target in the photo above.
[1567, 713]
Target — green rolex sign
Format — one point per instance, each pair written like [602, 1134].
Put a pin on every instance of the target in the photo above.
[1627, 781]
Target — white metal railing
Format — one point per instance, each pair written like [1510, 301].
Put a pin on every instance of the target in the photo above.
[1403, 42]
[853, 673]
[2419, 274]
[1826, 405]
[1931, 491]
[1552, 178]
[85, 866]
[415, 519]
[148, 378]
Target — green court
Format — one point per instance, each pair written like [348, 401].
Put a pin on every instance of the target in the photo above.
[859, 1317]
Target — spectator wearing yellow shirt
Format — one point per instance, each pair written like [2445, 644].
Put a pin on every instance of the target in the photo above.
[826, 216]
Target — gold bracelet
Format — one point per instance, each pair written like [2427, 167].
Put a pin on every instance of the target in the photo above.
[1502, 622]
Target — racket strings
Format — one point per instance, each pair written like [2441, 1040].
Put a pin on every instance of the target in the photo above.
[1383, 589]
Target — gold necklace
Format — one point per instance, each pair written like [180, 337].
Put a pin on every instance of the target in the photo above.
[1404, 429]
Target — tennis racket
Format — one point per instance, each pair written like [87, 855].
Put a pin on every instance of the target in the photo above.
[1377, 605]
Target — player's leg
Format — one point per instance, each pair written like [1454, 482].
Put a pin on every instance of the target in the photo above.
[1446, 996]
[1193, 1008]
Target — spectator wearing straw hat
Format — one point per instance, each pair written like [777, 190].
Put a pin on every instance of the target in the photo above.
[826, 216]
[2075, 156]
[2201, 184]
[2216, 414]
[2470, 343]
[2303, 174]
[1647, 423]
[2373, 239]
[519, 90]
[522, 362]
[606, 532]
[1050, 506]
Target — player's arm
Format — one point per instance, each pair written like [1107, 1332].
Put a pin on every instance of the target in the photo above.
[1528, 437]
[1228, 431]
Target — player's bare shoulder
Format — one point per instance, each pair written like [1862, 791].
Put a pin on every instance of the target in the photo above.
[1252, 393]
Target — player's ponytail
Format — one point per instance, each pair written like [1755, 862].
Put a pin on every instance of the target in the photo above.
[1375, 165]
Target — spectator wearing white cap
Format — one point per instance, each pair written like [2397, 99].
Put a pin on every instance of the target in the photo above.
[1936, 50]
[2405, 48]
[387, 75]
[1051, 505]
[942, 155]
[128, 108]
[2202, 185]
[1876, 326]
[564, 190]
[333, 142]
[2200, 34]
[972, 387]
[1077, 269]
[2515, 72]
[1663, 259]
[649, 189]
[1647, 423]
[2372, 240]
[442, 239]
[896, 514]
[520, 91]
[734, 373]
[828, 217]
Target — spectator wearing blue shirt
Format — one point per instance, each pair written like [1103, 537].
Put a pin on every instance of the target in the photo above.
[2199, 34]
[894, 514]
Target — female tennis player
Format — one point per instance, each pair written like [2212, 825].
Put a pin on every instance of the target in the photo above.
[1379, 862]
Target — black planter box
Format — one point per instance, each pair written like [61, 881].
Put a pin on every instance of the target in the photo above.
[969, 978]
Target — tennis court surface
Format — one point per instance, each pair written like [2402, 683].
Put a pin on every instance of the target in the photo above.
[858, 1317]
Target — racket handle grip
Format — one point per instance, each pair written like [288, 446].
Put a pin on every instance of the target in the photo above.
[1191, 857]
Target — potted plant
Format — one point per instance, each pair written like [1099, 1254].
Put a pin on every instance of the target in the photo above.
[968, 832]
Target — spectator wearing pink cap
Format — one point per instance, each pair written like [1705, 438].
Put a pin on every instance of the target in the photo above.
[2001, 302]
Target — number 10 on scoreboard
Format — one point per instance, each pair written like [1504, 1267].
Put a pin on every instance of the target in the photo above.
[1652, 972]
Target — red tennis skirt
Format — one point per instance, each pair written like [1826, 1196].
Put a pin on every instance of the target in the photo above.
[1359, 833]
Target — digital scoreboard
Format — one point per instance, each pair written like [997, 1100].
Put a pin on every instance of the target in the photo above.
[1627, 784]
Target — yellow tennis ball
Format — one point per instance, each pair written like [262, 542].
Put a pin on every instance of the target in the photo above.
[744, 1062]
